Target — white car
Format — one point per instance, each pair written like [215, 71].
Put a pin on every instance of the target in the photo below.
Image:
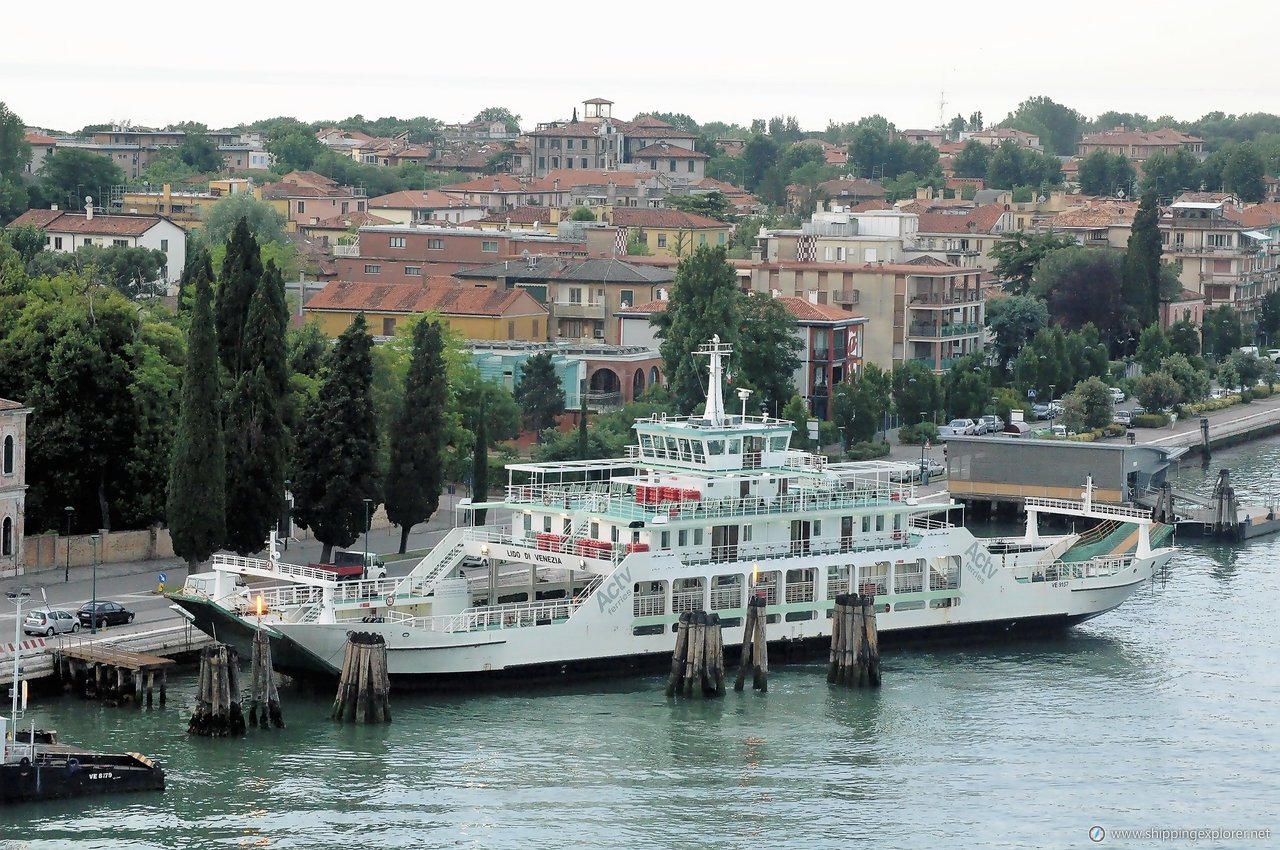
[959, 428]
[1117, 394]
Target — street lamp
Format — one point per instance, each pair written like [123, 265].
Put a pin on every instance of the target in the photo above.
[286, 530]
[367, 504]
[93, 601]
[17, 597]
[66, 575]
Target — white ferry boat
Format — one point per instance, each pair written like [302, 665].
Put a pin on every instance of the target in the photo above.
[590, 563]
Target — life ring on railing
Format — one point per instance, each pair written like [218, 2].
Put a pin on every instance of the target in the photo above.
[509, 619]
[898, 535]
[546, 499]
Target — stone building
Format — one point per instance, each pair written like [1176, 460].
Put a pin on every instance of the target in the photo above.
[13, 484]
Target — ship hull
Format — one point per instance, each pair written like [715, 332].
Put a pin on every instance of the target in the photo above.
[77, 775]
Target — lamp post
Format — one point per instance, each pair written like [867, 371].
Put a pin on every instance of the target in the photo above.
[367, 504]
[17, 597]
[93, 601]
[286, 533]
[66, 574]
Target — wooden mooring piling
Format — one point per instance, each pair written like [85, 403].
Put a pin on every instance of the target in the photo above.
[364, 686]
[755, 650]
[854, 660]
[264, 699]
[697, 665]
[100, 671]
[218, 713]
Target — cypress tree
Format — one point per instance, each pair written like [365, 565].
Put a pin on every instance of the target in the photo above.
[1140, 276]
[582, 429]
[415, 473]
[241, 271]
[256, 442]
[704, 303]
[196, 481]
[480, 465]
[335, 462]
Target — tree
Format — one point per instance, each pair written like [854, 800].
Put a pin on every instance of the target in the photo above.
[972, 160]
[1184, 339]
[582, 214]
[28, 241]
[1169, 174]
[1153, 347]
[1222, 331]
[200, 153]
[859, 406]
[1089, 405]
[1157, 391]
[1081, 286]
[637, 247]
[334, 468]
[294, 146]
[264, 221]
[1245, 366]
[1103, 173]
[1017, 255]
[1014, 321]
[767, 354]
[241, 271]
[134, 272]
[415, 474]
[916, 393]
[498, 113]
[1059, 127]
[704, 303]
[480, 465]
[1243, 172]
[798, 412]
[15, 153]
[1140, 277]
[256, 439]
[1190, 377]
[758, 156]
[69, 174]
[539, 394]
[710, 204]
[583, 443]
[197, 483]
[967, 387]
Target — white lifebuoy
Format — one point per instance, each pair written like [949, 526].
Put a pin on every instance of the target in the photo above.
[391, 599]
[546, 499]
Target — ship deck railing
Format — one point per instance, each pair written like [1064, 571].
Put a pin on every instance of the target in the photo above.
[873, 540]
[1075, 506]
[616, 503]
[1067, 570]
[513, 615]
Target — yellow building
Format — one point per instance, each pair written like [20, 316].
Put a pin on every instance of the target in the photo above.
[487, 314]
[670, 233]
[184, 208]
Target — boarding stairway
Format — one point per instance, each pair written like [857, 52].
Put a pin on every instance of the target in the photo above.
[447, 554]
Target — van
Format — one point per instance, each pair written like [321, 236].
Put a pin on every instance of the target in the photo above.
[1122, 417]
[1248, 349]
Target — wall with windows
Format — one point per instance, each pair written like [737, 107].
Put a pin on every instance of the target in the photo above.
[13, 485]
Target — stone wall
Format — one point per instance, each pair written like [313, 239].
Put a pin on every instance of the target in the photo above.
[51, 550]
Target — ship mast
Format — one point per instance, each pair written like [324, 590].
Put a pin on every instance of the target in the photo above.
[717, 352]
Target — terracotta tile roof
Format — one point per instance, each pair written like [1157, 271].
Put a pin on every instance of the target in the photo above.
[520, 215]
[660, 218]
[36, 218]
[926, 260]
[596, 270]
[1123, 136]
[496, 184]
[664, 150]
[856, 186]
[571, 177]
[978, 220]
[1261, 215]
[6, 404]
[100, 224]
[645, 309]
[411, 199]
[1097, 215]
[39, 139]
[1002, 133]
[654, 130]
[871, 206]
[345, 222]
[442, 295]
[1204, 197]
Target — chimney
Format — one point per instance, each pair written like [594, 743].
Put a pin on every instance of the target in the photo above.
[555, 185]
[88, 208]
[53, 207]
[811, 296]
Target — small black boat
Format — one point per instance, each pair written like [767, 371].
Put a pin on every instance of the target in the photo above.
[46, 770]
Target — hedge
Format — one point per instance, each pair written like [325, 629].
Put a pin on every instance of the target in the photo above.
[867, 451]
[1150, 420]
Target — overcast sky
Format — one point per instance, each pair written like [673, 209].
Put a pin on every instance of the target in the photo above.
[154, 63]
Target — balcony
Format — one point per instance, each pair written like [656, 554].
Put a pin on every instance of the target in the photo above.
[936, 331]
[580, 309]
[845, 296]
[932, 299]
[349, 250]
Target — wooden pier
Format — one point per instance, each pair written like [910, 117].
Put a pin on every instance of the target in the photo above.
[102, 671]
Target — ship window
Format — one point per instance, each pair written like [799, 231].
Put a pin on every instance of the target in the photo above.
[682, 538]
[715, 447]
[666, 540]
[697, 537]
[897, 521]
[613, 533]
[528, 522]
[646, 444]
[817, 528]
[874, 579]
[698, 453]
[546, 523]
[673, 448]
[879, 522]
[735, 446]
[685, 451]
[746, 534]
[778, 444]
[595, 531]
[866, 524]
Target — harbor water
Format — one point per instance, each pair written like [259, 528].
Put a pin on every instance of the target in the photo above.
[1162, 715]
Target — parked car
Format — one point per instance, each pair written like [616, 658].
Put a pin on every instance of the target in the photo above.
[959, 428]
[991, 424]
[1138, 410]
[1044, 411]
[104, 614]
[1117, 394]
[1273, 354]
[50, 623]
[1122, 417]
